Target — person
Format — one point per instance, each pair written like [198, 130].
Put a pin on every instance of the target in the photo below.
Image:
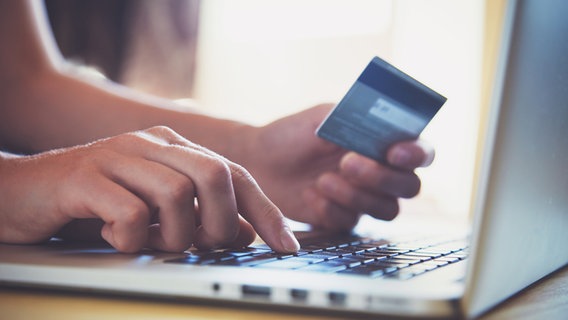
[86, 159]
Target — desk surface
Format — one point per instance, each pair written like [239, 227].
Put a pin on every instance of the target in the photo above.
[547, 299]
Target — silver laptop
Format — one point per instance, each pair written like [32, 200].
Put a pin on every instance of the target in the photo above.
[518, 235]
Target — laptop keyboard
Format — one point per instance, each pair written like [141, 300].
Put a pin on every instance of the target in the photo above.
[350, 255]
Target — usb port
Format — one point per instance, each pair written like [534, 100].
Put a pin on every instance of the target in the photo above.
[255, 291]
[337, 298]
[299, 294]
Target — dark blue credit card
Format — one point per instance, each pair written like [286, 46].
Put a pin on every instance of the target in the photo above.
[384, 106]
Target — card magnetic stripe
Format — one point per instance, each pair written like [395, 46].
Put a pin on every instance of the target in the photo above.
[388, 80]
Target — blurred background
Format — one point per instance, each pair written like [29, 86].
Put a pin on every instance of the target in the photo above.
[257, 60]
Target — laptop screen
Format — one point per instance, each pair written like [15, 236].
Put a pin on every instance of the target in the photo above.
[523, 204]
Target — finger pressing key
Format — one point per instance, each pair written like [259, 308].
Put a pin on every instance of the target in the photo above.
[265, 217]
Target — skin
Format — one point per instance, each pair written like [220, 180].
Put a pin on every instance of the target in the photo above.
[325, 185]
[86, 159]
[140, 186]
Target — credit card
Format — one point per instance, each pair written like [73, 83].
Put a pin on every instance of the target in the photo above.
[384, 106]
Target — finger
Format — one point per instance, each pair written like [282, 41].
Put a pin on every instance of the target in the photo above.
[264, 216]
[170, 196]
[217, 204]
[252, 204]
[88, 229]
[388, 209]
[409, 155]
[246, 234]
[378, 179]
[335, 188]
[210, 176]
[328, 215]
[126, 217]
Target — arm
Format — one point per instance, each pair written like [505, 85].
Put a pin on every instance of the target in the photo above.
[139, 187]
[44, 106]
[309, 179]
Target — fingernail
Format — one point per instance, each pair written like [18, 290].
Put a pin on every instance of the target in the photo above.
[350, 165]
[288, 240]
[401, 157]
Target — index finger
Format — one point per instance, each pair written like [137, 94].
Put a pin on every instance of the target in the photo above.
[264, 216]
[251, 202]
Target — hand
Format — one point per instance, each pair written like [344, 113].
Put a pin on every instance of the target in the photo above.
[314, 181]
[149, 189]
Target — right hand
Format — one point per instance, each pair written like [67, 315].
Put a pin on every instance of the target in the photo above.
[143, 187]
[315, 181]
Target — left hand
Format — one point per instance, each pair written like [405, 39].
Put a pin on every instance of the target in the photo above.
[314, 181]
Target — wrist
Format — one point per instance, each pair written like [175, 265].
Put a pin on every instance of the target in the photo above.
[240, 142]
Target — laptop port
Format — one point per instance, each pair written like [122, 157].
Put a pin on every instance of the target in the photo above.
[255, 291]
[299, 294]
[337, 298]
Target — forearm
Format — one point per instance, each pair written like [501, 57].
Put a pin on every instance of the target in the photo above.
[54, 109]
[42, 106]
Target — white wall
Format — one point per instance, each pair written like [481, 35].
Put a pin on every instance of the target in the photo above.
[440, 42]
[261, 59]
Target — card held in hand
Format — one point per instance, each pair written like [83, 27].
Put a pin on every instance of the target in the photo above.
[384, 106]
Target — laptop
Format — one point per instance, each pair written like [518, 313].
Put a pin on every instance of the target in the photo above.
[518, 234]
